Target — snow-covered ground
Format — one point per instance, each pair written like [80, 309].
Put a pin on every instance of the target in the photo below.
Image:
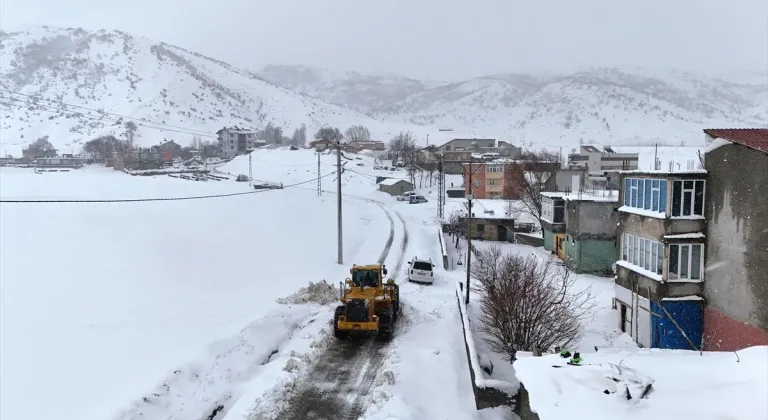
[172, 310]
[182, 309]
[684, 385]
[101, 300]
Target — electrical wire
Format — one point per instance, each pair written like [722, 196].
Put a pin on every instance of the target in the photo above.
[136, 200]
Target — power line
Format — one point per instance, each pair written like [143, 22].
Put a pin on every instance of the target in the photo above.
[135, 200]
[38, 97]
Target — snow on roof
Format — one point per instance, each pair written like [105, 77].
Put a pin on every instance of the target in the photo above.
[682, 298]
[391, 181]
[755, 138]
[696, 235]
[663, 173]
[598, 197]
[684, 385]
[492, 209]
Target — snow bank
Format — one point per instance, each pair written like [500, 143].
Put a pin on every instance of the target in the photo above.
[661, 384]
[443, 248]
[509, 388]
[321, 293]
[214, 382]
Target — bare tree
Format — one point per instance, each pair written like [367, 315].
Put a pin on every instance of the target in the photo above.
[457, 226]
[130, 133]
[329, 133]
[357, 133]
[527, 302]
[401, 146]
[299, 137]
[40, 148]
[529, 178]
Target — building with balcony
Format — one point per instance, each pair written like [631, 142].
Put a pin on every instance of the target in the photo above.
[237, 141]
[660, 264]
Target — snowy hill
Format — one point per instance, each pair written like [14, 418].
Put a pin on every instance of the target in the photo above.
[601, 105]
[103, 75]
[361, 92]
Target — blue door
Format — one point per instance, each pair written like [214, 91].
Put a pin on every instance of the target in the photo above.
[688, 314]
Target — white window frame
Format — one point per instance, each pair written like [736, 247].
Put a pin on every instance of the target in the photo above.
[683, 190]
[633, 191]
[690, 262]
[656, 194]
[491, 182]
[642, 252]
[547, 209]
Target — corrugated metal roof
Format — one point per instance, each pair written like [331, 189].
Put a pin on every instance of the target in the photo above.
[755, 138]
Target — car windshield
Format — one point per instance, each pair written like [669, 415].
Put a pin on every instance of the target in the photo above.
[420, 265]
[366, 278]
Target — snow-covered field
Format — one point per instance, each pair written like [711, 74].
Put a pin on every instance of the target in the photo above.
[169, 309]
[101, 300]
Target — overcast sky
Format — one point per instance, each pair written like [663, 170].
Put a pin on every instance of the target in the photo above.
[436, 39]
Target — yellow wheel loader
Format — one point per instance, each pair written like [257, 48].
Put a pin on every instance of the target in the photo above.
[370, 304]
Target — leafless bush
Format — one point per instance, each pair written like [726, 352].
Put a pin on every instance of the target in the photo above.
[526, 302]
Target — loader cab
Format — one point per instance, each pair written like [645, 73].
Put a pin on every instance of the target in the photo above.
[367, 276]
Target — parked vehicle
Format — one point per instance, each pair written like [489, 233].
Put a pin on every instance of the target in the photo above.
[416, 199]
[406, 196]
[421, 270]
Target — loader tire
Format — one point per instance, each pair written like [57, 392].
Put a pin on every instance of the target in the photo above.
[339, 334]
[396, 304]
[386, 324]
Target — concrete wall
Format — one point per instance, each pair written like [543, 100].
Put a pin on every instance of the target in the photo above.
[591, 256]
[736, 283]
[525, 239]
[591, 219]
[549, 241]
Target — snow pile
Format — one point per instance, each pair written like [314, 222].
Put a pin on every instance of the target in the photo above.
[321, 293]
[649, 384]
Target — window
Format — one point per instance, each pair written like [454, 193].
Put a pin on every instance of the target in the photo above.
[494, 168]
[685, 261]
[553, 209]
[480, 228]
[646, 194]
[476, 182]
[687, 198]
[547, 208]
[491, 182]
[644, 253]
[421, 265]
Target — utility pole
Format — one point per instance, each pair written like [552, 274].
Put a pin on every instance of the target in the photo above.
[338, 192]
[440, 188]
[319, 185]
[469, 230]
[250, 169]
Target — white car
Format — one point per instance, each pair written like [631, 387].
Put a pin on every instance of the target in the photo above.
[421, 270]
[406, 196]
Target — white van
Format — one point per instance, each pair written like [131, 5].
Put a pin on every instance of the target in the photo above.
[406, 196]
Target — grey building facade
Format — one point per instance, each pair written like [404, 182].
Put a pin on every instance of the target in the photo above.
[736, 290]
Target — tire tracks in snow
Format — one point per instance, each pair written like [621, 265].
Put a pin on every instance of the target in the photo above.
[339, 385]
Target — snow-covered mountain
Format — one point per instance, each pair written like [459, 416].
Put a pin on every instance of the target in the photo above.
[358, 91]
[603, 105]
[73, 85]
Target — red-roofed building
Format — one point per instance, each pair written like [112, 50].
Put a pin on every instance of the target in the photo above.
[736, 255]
